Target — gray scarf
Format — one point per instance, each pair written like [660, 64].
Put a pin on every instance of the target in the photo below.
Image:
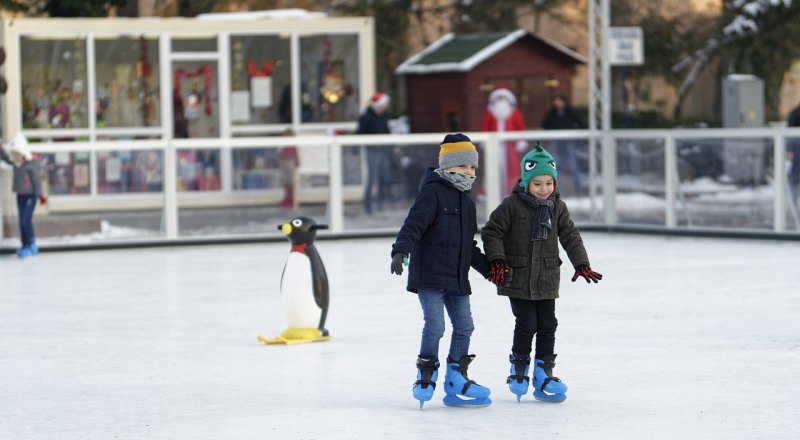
[462, 182]
[541, 223]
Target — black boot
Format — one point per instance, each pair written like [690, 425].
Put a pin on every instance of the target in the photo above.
[427, 373]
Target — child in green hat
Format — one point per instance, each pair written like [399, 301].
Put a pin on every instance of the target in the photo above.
[521, 241]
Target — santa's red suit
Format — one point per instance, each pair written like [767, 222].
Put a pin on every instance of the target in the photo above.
[501, 115]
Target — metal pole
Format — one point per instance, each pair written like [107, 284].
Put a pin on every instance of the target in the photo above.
[609, 150]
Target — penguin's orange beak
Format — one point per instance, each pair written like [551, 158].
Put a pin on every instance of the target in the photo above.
[286, 228]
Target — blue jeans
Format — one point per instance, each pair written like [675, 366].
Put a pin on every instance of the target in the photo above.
[26, 203]
[433, 302]
[567, 160]
[378, 174]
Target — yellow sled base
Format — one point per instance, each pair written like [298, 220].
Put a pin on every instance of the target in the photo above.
[295, 335]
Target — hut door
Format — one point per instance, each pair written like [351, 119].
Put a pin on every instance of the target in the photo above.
[534, 100]
[452, 120]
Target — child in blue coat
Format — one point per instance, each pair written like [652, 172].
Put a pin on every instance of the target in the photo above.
[27, 184]
[438, 236]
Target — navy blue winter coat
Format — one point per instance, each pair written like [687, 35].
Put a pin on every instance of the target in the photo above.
[439, 237]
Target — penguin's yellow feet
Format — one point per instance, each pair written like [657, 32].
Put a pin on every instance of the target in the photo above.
[294, 335]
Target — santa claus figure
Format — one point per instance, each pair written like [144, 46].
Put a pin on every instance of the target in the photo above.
[501, 115]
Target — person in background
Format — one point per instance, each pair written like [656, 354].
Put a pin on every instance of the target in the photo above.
[501, 115]
[289, 160]
[374, 120]
[28, 186]
[562, 116]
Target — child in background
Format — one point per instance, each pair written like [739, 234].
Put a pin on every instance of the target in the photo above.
[438, 235]
[521, 239]
[27, 184]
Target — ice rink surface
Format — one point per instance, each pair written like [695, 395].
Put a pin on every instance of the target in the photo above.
[684, 338]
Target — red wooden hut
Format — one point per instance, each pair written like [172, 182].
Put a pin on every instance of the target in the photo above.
[447, 84]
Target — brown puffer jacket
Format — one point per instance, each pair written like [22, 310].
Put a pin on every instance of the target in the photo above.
[507, 236]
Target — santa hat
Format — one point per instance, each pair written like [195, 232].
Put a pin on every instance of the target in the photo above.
[502, 92]
[379, 100]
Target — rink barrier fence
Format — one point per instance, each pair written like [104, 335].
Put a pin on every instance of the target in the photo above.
[602, 174]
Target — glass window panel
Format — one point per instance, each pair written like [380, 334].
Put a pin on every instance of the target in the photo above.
[641, 187]
[53, 72]
[380, 183]
[576, 185]
[724, 183]
[136, 171]
[127, 82]
[198, 170]
[260, 80]
[67, 172]
[194, 44]
[793, 180]
[329, 74]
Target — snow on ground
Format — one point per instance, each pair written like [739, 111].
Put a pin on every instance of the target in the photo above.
[683, 338]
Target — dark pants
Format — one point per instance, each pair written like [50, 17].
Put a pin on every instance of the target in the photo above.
[534, 318]
[378, 174]
[26, 203]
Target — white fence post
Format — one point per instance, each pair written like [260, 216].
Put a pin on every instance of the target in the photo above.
[492, 173]
[779, 182]
[609, 165]
[336, 202]
[671, 181]
[170, 212]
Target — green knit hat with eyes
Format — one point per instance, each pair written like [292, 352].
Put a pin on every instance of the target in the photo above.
[537, 161]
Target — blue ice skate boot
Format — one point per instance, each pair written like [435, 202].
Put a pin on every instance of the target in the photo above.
[547, 387]
[24, 252]
[456, 383]
[34, 249]
[427, 373]
[518, 380]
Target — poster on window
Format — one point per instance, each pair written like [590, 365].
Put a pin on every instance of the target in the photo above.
[62, 158]
[113, 169]
[80, 174]
[240, 106]
[261, 91]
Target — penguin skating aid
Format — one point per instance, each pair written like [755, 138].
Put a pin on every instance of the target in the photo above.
[304, 286]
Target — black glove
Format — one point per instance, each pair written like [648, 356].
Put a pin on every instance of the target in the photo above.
[398, 261]
[587, 273]
[500, 273]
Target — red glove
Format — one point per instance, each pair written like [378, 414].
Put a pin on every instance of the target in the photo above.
[42, 199]
[587, 273]
[500, 273]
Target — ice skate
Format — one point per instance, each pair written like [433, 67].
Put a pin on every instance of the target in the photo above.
[518, 380]
[427, 373]
[547, 387]
[459, 389]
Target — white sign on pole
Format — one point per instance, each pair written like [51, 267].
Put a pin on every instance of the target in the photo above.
[626, 46]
